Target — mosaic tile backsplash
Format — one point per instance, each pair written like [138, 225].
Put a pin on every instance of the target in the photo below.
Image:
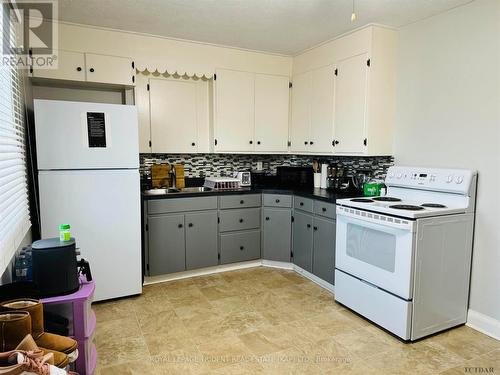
[216, 165]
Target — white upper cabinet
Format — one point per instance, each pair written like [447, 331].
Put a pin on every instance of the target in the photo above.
[301, 112]
[311, 129]
[90, 67]
[178, 115]
[271, 113]
[234, 123]
[351, 91]
[322, 109]
[71, 66]
[109, 69]
[251, 112]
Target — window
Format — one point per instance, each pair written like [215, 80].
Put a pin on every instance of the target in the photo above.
[14, 206]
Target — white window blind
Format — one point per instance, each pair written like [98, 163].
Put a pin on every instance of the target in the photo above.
[14, 206]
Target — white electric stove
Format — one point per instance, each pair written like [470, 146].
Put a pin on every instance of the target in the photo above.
[403, 260]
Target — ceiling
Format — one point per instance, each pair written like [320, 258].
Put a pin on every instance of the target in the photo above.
[278, 26]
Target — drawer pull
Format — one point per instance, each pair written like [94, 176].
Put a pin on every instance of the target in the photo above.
[79, 69]
[277, 200]
[242, 201]
[301, 203]
[180, 226]
[242, 248]
[241, 220]
[91, 70]
[267, 218]
[315, 228]
[309, 225]
[324, 209]
[190, 225]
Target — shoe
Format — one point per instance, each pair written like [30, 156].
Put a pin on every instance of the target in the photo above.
[19, 362]
[14, 327]
[43, 339]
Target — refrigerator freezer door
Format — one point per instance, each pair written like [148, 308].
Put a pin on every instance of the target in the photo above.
[103, 209]
[77, 135]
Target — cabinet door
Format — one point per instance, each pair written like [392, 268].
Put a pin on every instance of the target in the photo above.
[324, 249]
[301, 112]
[276, 234]
[234, 125]
[201, 240]
[109, 69]
[271, 113]
[71, 66]
[167, 251]
[322, 108]
[303, 240]
[350, 104]
[173, 115]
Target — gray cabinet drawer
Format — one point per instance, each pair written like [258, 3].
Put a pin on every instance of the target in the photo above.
[231, 220]
[240, 201]
[277, 200]
[325, 209]
[238, 247]
[161, 206]
[304, 204]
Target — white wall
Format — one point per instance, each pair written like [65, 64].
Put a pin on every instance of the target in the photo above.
[185, 55]
[448, 114]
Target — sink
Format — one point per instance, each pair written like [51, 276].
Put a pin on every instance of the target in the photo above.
[161, 191]
[201, 189]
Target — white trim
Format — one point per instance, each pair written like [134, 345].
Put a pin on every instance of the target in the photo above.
[274, 264]
[484, 324]
[148, 280]
[315, 279]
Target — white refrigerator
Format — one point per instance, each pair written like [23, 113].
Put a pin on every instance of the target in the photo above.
[88, 175]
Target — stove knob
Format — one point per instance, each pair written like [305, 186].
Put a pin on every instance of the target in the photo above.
[400, 175]
[459, 179]
[449, 179]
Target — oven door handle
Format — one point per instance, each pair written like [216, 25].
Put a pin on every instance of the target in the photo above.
[376, 221]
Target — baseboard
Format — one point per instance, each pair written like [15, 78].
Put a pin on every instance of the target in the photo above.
[275, 264]
[148, 280]
[315, 279]
[483, 324]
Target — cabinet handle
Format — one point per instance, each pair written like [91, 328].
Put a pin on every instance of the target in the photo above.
[251, 142]
[277, 200]
[241, 220]
[323, 209]
[267, 218]
[311, 143]
[305, 142]
[91, 70]
[242, 201]
[337, 142]
[301, 203]
[79, 69]
[258, 142]
[242, 247]
[180, 225]
[193, 144]
[309, 225]
[190, 225]
[315, 228]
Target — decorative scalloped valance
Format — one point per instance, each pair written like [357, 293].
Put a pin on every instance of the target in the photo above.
[165, 68]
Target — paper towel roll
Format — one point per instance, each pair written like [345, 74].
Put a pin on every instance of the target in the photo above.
[324, 175]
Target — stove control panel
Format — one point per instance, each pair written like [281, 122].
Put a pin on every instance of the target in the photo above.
[457, 181]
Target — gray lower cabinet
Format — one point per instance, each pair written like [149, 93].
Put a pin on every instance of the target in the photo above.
[166, 242]
[303, 240]
[201, 239]
[276, 234]
[324, 248]
[239, 246]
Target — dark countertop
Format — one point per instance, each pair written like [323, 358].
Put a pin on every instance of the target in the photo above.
[319, 194]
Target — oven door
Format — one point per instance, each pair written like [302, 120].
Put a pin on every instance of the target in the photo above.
[377, 249]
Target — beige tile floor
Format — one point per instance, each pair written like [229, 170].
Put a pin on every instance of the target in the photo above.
[267, 321]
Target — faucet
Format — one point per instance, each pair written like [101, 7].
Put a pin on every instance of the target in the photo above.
[173, 176]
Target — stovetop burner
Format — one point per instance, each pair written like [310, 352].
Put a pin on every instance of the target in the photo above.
[407, 207]
[387, 199]
[433, 205]
[362, 200]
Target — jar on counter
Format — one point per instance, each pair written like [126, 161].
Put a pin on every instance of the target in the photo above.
[64, 232]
